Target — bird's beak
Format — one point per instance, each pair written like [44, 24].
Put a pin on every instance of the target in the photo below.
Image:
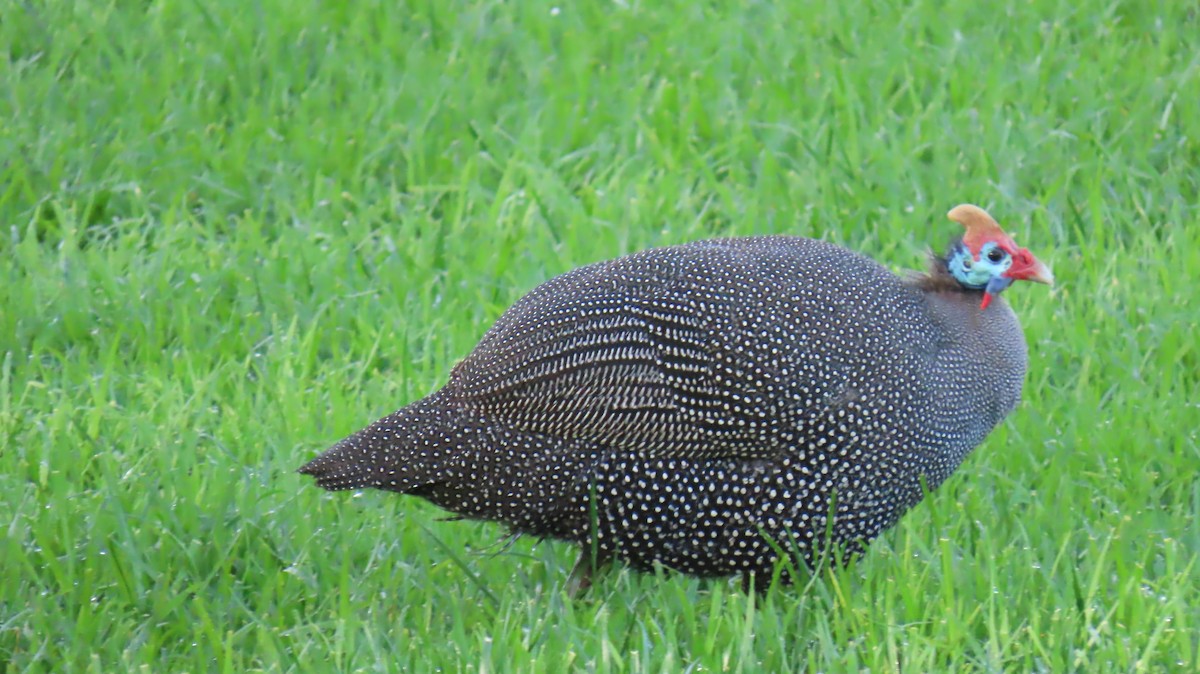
[1026, 267]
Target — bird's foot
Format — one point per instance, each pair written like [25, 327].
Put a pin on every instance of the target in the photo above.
[586, 568]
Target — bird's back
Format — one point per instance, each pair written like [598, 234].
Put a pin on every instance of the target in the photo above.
[720, 348]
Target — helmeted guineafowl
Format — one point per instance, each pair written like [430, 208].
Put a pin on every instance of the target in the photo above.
[709, 406]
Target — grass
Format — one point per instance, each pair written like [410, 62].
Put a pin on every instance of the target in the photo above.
[234, 232]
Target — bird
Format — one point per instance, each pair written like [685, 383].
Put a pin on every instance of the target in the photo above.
[728, 407]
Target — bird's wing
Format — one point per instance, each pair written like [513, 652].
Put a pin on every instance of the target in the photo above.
[679, 351]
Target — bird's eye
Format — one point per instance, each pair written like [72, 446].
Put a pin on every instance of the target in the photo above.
[995, 255]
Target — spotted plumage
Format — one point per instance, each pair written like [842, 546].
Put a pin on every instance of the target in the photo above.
[710, 406]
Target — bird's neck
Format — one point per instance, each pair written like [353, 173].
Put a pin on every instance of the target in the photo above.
[938, 279]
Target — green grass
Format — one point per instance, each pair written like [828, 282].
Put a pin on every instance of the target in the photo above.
[232, 232]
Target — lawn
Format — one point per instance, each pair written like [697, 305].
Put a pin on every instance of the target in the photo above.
[233, 232]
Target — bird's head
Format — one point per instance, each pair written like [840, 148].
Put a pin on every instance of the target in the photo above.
[987, 259]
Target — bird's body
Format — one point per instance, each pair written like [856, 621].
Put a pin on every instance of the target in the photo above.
[707, 407]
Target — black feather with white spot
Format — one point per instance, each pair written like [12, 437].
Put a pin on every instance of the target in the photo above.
[717, 400]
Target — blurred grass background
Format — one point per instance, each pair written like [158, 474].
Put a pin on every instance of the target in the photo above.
[233, 232]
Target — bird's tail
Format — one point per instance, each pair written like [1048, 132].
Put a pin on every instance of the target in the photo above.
[409, 449]
[457, 459]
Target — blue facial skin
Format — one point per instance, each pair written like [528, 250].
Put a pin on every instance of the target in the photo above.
[984, 273]
[997, 285]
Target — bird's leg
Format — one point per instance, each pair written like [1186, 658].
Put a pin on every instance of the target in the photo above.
[760, 583]
[748, 583]
[588, 565]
